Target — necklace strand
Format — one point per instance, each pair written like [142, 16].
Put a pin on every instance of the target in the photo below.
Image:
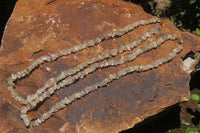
[37, 97]
[54, 56]
[92, 68]
[67, 100]
[68, 77]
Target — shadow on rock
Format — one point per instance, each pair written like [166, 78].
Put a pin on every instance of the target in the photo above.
[160, 123]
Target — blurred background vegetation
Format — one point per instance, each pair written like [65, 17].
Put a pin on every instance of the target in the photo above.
[185, 14]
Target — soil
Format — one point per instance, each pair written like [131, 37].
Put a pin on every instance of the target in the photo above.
[175, 119]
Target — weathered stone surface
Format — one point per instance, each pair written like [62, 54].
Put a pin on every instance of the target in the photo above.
[39, 28]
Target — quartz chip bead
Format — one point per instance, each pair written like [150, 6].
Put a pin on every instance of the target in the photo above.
[66, 100]
[32, 66]
[138, 51]
[45, 116]
[35, 123]
[24, 72]
[61, 105]
[13, 77]
[25, 119]
[53, 56]
[121, 72]
[77, 95]
[103, 64]
[121, 49]
[113, 52]
[128, 47]
[41, 90]
[18, 75]
[122, 59]
[77, 48]
[64, 52]
[10, 82]
[72, 97]
[44, 58]
[24, 110]
[30, 98]
[98, 39]
[88, 89]
[91, 43]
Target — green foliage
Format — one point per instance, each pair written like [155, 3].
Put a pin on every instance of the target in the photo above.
[198, 105]
[195, 97]
[185, 14]
[193, 14]
[192, 1]
[192, 130]
[198, 31]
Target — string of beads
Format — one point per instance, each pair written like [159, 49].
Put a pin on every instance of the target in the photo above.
[68, 77]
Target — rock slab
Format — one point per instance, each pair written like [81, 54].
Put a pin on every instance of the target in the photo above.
[38, 28]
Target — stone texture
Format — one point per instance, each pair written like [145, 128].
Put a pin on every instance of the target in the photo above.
[38, 28]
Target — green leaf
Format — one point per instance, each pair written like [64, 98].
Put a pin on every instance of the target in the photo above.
[198, 31]
[195, 130]
[190, 130]
[192, 2]
[195, 97]
[164, 8]
[198, 105]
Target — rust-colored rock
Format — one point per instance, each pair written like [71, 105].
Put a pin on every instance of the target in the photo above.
[39, 28]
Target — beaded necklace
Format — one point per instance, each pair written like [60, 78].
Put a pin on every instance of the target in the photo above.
[68, 77]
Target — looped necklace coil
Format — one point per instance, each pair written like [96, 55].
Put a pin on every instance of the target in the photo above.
[68, 77]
